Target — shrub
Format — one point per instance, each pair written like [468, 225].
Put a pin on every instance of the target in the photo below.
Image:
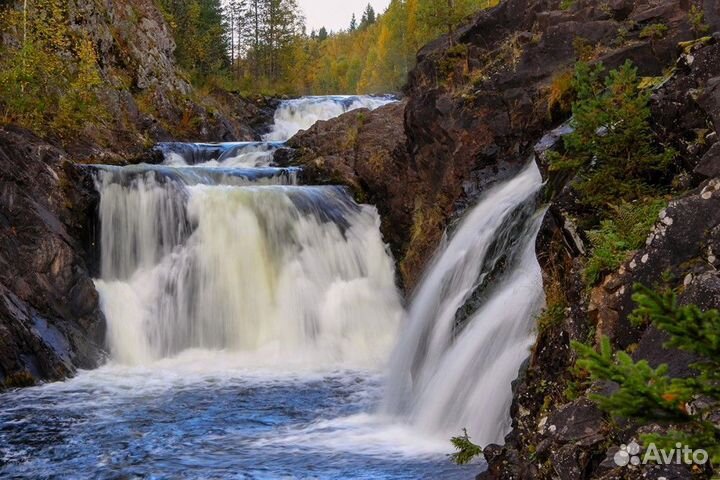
[696, 17]
[613, 149]
[650, 395]
[626, 230]
[654, 31]
[561, 93]
[466, 450]
[49, 75]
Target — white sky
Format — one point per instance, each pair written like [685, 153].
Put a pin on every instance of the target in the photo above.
[335, 14]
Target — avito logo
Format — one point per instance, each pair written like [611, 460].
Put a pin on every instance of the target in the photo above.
[631, 454]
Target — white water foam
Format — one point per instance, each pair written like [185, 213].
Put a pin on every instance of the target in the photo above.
[227, 155]
[264, 270]
[264, 279]
[293, 116]
[444, 378]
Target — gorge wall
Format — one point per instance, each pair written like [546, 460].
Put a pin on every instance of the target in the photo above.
[143, 95]
[476, 105]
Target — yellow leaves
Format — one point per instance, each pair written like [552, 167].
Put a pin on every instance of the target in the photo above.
[561, 93]
[51, 76]
[670, 397]
[674, 398]
[378, 57]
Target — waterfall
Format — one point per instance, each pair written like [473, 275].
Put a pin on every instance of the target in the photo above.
[470, 323]
[297, 271]
[250, 320]
[215, 249]
[302, 113]
[230, 154]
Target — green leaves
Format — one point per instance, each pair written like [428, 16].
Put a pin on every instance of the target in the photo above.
[52, 78]
[466, 450]
[199, 32]
[626, 230]
[690, 328]
[644, 393]
[649, 395]
[613, 149]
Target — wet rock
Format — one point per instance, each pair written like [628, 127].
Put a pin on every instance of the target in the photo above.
[50, 322]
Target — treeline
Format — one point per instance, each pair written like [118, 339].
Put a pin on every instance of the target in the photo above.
[51, 77]
[264, 46]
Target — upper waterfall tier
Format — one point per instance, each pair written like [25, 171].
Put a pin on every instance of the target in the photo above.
[291, 116]
[226, 155]
[196, 175]
[302, 113]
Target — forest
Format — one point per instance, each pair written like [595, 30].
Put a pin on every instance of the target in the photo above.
[263, 46]
[52, 78]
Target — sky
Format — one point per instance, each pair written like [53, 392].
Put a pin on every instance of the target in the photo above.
[335, 14]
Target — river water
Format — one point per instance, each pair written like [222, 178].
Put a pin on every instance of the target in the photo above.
[249, 323]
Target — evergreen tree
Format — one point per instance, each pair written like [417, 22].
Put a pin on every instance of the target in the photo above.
[368, 17]
[612, 138]
[443, 16]
[685, 405]
[270, 49]
[200, 34]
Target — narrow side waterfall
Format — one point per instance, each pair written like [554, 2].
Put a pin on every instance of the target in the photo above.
[302, 113]
[471, 320]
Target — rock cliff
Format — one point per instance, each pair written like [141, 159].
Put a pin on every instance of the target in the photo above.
[145, 95]
[50, 321]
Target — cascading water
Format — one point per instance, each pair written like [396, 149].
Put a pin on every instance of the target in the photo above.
[217, 250]
[453, 370]
[228, 155]
[301, 114]
[249, 320]
[293, 273]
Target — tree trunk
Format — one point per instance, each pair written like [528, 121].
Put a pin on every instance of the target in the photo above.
[450, 19]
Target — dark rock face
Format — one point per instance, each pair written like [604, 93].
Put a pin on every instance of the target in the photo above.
[475, 109]
[50, 322]
[679, 253]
